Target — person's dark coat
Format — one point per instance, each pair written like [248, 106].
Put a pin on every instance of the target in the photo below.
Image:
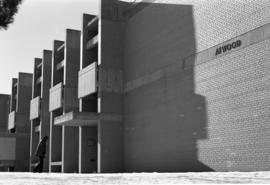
[41, 149]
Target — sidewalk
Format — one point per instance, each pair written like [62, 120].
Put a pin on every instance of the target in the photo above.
[134, 178]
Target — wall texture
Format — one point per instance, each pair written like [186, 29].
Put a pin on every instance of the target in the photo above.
[236, 87]
[4, 110]
[209, 116]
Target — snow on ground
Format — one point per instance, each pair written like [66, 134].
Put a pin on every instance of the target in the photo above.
[9, 178]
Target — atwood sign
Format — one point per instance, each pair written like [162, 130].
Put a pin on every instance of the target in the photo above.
[228, 47]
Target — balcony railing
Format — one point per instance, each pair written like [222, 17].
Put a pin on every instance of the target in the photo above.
[56, 97]
[92, 42]
[87, 80]
[93, 24]
[35, 108]
[11, 120]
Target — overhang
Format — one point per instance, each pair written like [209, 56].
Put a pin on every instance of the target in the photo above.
[85, 118]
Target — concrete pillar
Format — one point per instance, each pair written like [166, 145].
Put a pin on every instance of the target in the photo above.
[110, 95]
[55, 145]
[110, 144]
[88, 151]
[70, 148]
[45, 115]
[34, 139]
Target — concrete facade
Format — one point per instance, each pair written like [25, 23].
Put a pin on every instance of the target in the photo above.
[7, 156]
[4, 110]
[63, 156]
[165, 89]
[39, 106]
[187, 108]
[160, 85]
[18, 122]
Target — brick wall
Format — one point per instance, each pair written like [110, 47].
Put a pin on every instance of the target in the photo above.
[236, 88]
[211, 116]
[219, 20]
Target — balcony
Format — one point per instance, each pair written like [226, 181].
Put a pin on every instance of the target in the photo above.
[92, 42]
[35, 108]
[60, 65]
[87, 80]
[11, 120]
[56, 97]
[92, 25]
[85, 118]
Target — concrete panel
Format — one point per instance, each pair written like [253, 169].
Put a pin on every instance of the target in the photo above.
[110, 80]
[110, 143]
[71, 101]
[4, 111]
[8, 146]
[89, 149]
[72, 58]
[87, 80]
[164, 118]
[11, 120]
[35, 108]
[110, 95]
[85, 118]
[22, 153]
[46, 70]
[55, 140]
[56, 97]
[111, 44]
[70, 148]
[22, 123]
[166, 35]
[45, 115]
[24, 93]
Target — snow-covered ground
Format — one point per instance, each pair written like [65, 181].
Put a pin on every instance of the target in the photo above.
[133, 178]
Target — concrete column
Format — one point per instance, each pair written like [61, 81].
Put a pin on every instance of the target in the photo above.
[110, 140]
[70, 136]
[89, 149]
[80, 151]
[110, 143]
[34, 139]
[55, 144]
[45, 115]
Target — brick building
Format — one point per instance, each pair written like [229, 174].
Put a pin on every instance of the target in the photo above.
[175, 86]
[162, 85]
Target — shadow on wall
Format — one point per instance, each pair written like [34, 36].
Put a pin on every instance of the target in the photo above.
[164, 118]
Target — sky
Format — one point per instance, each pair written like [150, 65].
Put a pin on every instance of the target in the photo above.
[36, 25]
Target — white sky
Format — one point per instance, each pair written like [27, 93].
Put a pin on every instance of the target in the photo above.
[36, 25]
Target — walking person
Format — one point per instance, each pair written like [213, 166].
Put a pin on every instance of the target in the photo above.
[41, 154]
